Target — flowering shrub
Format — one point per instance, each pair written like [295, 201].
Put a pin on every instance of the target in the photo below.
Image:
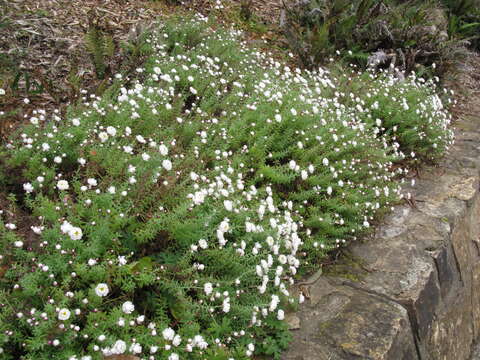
[170, 219]
[408, 111]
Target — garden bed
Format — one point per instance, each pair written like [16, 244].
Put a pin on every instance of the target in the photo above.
[171, 215]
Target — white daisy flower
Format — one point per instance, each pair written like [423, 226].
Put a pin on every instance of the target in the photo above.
[64, 314]
[101, 289]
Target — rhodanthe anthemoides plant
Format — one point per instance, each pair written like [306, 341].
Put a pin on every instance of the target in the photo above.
[169, 218]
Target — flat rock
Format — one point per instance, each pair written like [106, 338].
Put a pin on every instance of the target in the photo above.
[357, 325]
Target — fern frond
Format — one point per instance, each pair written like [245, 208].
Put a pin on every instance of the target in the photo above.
[109, 46]
[95, 43]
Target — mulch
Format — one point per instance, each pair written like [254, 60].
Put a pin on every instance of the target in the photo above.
[42, 44]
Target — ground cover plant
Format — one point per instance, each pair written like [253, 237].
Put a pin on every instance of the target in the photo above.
[167, 219]
[409, 111]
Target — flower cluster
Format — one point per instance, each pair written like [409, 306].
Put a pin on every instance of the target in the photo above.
[170, 220]
[409, 111]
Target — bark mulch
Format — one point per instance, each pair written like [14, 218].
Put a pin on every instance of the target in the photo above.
[42, 44]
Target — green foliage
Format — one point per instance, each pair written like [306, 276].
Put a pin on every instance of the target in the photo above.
[100, 47]
[464, 20]
[412, 117]
[461, 7]
[411, 33]
[177, 209]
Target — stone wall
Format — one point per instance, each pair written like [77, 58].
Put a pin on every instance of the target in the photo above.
[412, 290]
